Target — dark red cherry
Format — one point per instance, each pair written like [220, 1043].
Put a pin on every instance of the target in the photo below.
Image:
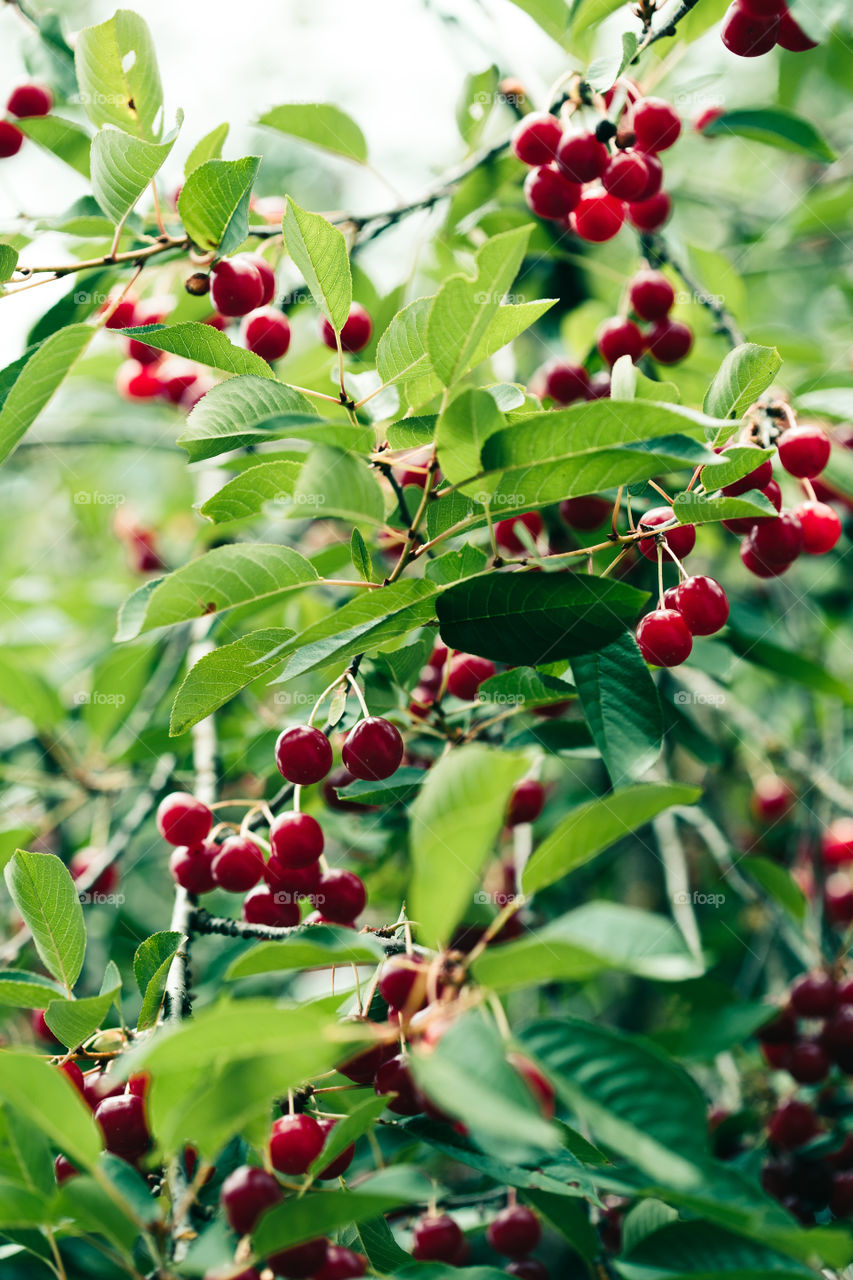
[192, 866]
[295, 1143]
[299, 1262]
[363, 1067]
[838, 898]
[549, 193]
[664, 639]
[536, 138]
[528, 1269]
[841, 1200]
[296, 839]
[821, 527]
[792, 1124]
[777, 541]
[791, 36]
[267, 333]
[437, 1238]
[342, 1162]
[30, 100]
[814, 995]
[651, 295]
[804, 451]
[669, 341]
[373, 749]
[246, 1194]
[515, 1231]
[656, 124]
[747, 33]
[837, 1038]
[650, 214]
[506, 531]
[565, 382]
[63, 1169]
[299, 881]
[836, 842]
[238, 865]
[123, 1125]
[616, 338]
[181, 819]
[340, 896]
[581, 157]
[681, 539]
[597, 217]
[703, 604]
[237, 286]
[303, 755]
[403, 984]
[275, 908]
[11, 139]
[626, 176]
[808, 1063]
[394, 1076]
[467, 672]
[355, 334]
[585, 513]
[526, 802]
[341, 1264]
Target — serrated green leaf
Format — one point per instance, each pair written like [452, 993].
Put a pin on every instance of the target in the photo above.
[43, 891]
[151, 965]
[743, 376]
[22, 990]
[360, 556]
[221, 674]
[8, 261]
[690, 1250]
[319, 250]
[313, 947]
[48, 1099]
[462, 430]
[621, 706]
[214, 203]
[704, 508]
[732, 465]
[775, 126]
[62, 138]
[207, 148]
[118, 76]
[203, 344]
[36, 381]
[73, 1021]
[321, 124]
[252, 490]
[123, 167]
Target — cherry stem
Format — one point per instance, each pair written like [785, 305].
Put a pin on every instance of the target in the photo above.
[358, 693]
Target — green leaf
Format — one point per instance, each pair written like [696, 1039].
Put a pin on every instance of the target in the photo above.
[605, 71]
[333, 483]
[123, 167]
[478, 97]
[744, 375]
[240, 574]
[21, 1207]
[599, 937]
[551, 15]
[621, 706]
[314, 947]
[47, 1098]
[73, 1021]
[8, 261]
[779, 883]
[208, 148]
[748, 641]
[214, 203]
[360, 556]
[694, 1250]
[43, 891]
[702, 508]
[732, 465]
[535, 618]
[524, 687]
[319, 251]
[454, 823]
[118, 76]
[151, 965]
[62, 138]
[594, 826]
[832, 402]
[348, 1130]
[23, 990]
[382, 1250]
[400, 788]
[462, 430]
[29, 694]
[321, 124]
[221, 674]
[37, 381]
[30, 1150]
[250, 491]
[775, 126]
[203, 344]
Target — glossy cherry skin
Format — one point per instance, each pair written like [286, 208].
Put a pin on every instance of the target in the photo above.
[581, 157]
[299, 881]
[342, 1162]
[123, 316]
[437, 1239]
[650, 214]
[664, 638]
[836, 843]
[192, 866]
[29, 100]
[11, 139]
[266, 332]
[341, 1264]
[73, 1073]
[565, 383]
[654, 166]
[275, 908]
[821, 527]
[467, 672]
[808, 1063]
[585, 513]
[814, 995]
[669, 341]
[791, 36]
[373, 749]
[403, 984]
[238, 865]
[267, 275]
[804, 451]
[681, 539]
[181, 819]
[515, 1231]
[656, 124]
[355, 334]
[777, 541]
[363, 1067]
[597, 217]
[296, 839]
[749, 34]
[507, 537]
[651, 295]
[340, 896]
[792, 1124]
[300, 1262]
[549, 193]
[237, 286]
[303, 755]
[703, 604]
[526, 802]
[83, 859]
[837, 1038]
[626, 176]
[536, 138]
[246, 1194]
[63, 1169]
[394, 1076]
[295, 1143]
[123, 1125]
[617, 338]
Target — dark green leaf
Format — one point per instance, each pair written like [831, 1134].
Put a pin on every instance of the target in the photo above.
[621, 706]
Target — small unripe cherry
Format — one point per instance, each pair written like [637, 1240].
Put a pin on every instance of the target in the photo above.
[295, 1143]
[597, 217]
[467, 672]
[804, 451]
[565, 382]
[703, 604]
[237, 286]
[275, 908]
[30, 100]
[821, 527]
[626, 176]
[616, 338]
[536, 137]
[680, 539]
[669, 341]
[506, 533]
[355, 334]
[526, 802]
[373, 749]
[303, 755]
[238, 865]
[182, 819]
[192, 866]
[549, 193]
[581, 157]
[296, 839]
[663, 638]
[651, 213]
[656, 124]
[266, 332]
[651, 295]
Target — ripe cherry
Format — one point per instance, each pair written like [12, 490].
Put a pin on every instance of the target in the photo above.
[804, 451]
[267, 275]
[663, 638]
[616, 338]
[821, 527]
[394, 1076]
[778, 541]
[626, 176]
[565, 382]
[841, 1200]
[836, 843]
[437, 1238]
[747, 33]
[341, 1162]
[791, 36]
[669, 341]
[246, 1194]
[585, 513]
[792, 1124]
[340, 896]
[123, 1125]
[238, 865]
[536, 138]
[135, 382]
[599, 386]
[654, 167]
[275, 908]
[341, 1264]
[597, 217]
[703, 604]
[373, 749]
[651, 295]
[75, 1075]
[526, 802]
[771, 799]
[706, 118]
[192, 866]
[363, 1067]
[295, 1143]
[506, 535]
[549, 193]
[267, 333]
[146, 315]
[237, 286]
[403, 984]
[303, 755]
[63, 1169]
[467, 672]
[300, 882]
[355, 334]
[181, 819]
[299, 1262]
[581, 157]
[808, 1063]
[83, 859]
[681, 539]
[528, 1269]
[541, 1088]
[656, 124]
[651, 213]
[296, 839]
[29, 100]
[837, 1038]
[11, 139]
[123, 316]
[515, 1231]
[838, 898]
[814, 995]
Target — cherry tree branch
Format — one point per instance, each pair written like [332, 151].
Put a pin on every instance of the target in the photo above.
[667, 30]
[658, 253]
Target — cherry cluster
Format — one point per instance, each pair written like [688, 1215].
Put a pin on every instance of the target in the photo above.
[590, 182]
[150, 374]
[118, 1106]
[25, 102]
[753, 27]
[667, 341]
[461, 674]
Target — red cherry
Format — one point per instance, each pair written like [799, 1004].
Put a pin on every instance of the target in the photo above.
[669, 341]
[651, 295]
[11, 139]
[29, 100]
[821, 527]
[656, 124]
[515, 1231]
[814, 995]
[275, 908]
[541, 1088]
[124, 315]
[373, 749]
[137, 383]
[146, 315]
[363, 1067]
[237, 286]
[123, 1125]
[764, 7]
[776, 1056]
[437, 1238]
[341, 896]
[526, 802]
[403, 984]
[536, 138]
[528, 1269]
[703, 604]
[177, 379]
[650, 214]
[808, 1063]
[267, 275]
[599, 386]
[836, 843]
[63, 1169]
[246, 1194]
[585, 513]
[804, 451]
[296, 839]
[341, 1264]
[238, 865]
[341, 1163]
[300, 882]
[507, 538]
[581, 157]
[597, 217]
[340, 778]
[394, 1076]
[355, 334]
[192, 866]
[837, 1038]
[549, 193]
[777, 541]
[467, 672]
[771, 799]
[566, 382]
[267, 333]
[303, 755]
[299, 1262]
[791, 36]
[681, 539]
[107, 882]
[838, 898]
[663, 638]
[616, 338]
[295, 1143]
[626, 176]
[758, 478]
[841, 1200]
[75, 1075]
[98, 1085]
[747, 33]
[780, 1030]
[792, 1124]
[706, 118]
[654, 167]
[181, 819]
[745, 524]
